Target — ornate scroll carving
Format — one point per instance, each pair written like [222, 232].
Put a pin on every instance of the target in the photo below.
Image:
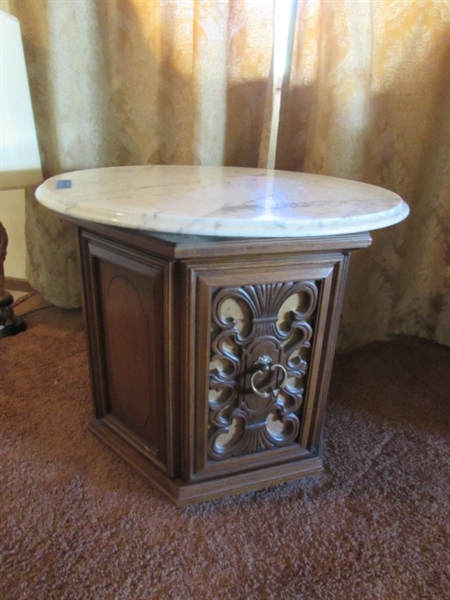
[248, 322]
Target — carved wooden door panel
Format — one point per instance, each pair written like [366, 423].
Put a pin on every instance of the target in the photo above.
[258, 367]
[260, 390]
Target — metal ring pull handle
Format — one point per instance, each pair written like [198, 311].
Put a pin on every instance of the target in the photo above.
[265, 364]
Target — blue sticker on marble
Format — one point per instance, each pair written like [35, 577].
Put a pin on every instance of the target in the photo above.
[62, 184]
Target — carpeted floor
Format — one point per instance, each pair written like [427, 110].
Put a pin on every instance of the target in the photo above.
[76, 523]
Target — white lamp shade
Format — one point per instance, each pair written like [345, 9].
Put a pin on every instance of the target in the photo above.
[20, 164]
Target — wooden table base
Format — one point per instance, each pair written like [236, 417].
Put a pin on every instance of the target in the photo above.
[210, 357]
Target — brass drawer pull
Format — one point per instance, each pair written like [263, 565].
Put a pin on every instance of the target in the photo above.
[264, 364]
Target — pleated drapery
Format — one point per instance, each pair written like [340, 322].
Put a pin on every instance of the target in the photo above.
[120, 82]
[366, 96]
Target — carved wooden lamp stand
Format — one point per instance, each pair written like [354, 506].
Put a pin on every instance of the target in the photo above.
[9, 324]
[20, 165]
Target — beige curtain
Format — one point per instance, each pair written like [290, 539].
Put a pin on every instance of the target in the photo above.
[117, 82]
[189, 81]
[368, 97]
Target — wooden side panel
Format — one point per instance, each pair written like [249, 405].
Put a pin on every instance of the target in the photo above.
[126, 305]
[133, 344]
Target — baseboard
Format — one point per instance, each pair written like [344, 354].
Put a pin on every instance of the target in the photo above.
[18, 285]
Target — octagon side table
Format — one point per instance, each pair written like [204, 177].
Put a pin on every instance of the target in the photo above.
[212, 298]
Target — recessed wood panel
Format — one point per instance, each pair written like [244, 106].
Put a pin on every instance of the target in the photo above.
[126, 323]
[133, 344]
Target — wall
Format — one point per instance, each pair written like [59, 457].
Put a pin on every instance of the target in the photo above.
[12, 215]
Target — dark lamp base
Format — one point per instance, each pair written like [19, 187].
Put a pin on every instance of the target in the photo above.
[9, 323]
[14, 328]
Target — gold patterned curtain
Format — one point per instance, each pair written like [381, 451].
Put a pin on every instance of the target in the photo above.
[119, 82]
[367, 97]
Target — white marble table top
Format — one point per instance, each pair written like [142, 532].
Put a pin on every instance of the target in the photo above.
[222, 201]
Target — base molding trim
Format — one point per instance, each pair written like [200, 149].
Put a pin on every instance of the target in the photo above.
[16, 284]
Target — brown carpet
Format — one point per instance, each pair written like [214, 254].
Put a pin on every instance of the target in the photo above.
[77, 523]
